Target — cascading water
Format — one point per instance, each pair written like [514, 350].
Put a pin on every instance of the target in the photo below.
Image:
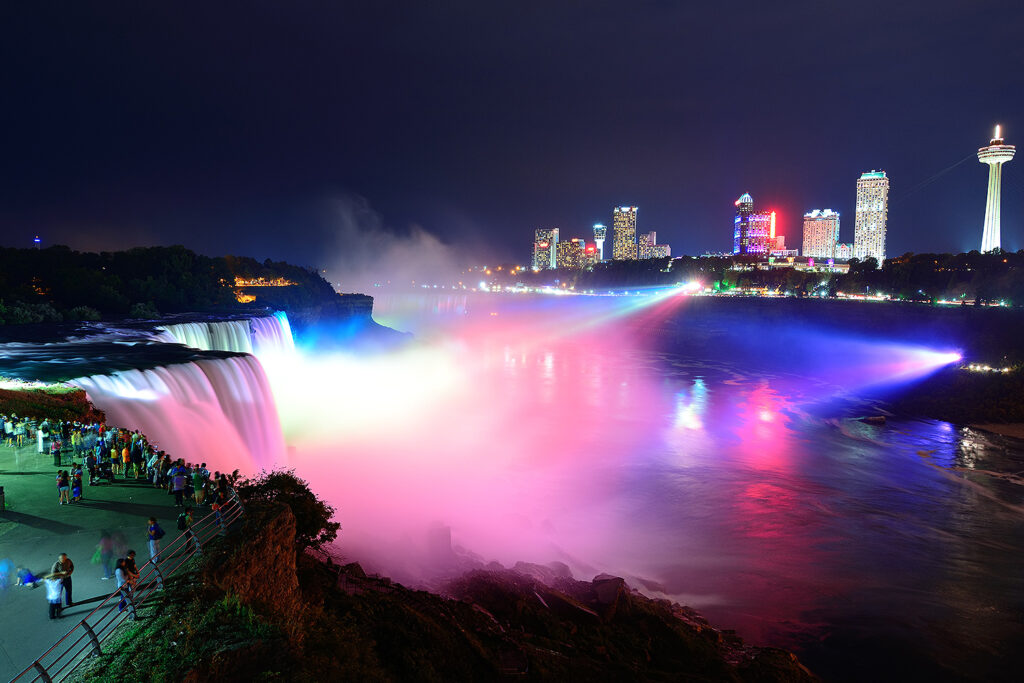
[272, 334]
[221, 335]
[266, 334]
[219, 411]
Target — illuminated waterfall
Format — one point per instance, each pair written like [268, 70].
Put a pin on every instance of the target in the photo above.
[265, 334]
[218, 411]
[272, 334]
[222, 335]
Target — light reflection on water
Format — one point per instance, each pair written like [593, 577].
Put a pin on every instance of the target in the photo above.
[875, 551]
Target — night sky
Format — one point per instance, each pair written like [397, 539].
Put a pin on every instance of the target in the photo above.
[311, 130]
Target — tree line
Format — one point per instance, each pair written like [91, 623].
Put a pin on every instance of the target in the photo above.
[58, 284]
[972, 276]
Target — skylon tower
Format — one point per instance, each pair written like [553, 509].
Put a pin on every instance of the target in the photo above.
[995, 155]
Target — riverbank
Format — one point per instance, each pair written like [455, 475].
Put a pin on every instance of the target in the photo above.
[1013, 429]
[993, 401]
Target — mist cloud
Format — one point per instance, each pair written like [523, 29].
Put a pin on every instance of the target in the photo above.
[366, 254]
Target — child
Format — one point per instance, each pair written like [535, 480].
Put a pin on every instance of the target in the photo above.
[26, 578]
[76, 487]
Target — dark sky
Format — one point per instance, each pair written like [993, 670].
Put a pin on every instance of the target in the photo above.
[242, 127]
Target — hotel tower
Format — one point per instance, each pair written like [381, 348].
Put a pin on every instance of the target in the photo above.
[545, 248]
[624, 233]
[872, 214]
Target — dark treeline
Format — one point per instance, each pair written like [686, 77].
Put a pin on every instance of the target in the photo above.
[57, 284]
[985, 278]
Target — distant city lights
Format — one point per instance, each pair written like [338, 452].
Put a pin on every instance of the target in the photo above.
[981, 367]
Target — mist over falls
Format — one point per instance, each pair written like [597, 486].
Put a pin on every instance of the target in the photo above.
[626, 435]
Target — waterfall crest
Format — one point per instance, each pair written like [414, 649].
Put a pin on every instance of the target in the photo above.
[272, 334]
[265, 334]
[221, 335]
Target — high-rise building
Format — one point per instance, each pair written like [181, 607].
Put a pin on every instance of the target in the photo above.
[591, 255]
[624, 233]
[600, 232]
[661, 251]
[821, 233]
[545, 248]
[872, 214]
[753, 232]
[995, 155]
[645, 245]
[570, 253]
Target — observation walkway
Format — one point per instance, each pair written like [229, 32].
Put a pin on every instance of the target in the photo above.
[34, 529]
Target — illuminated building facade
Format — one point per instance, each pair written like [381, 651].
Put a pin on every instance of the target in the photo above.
[600, 233]
[995, 155]
[570, 254]
[844, 251]
[624, 233]
[645, 245]
[753, 232]
[545, 248]
[648, 247]
[872, 214]
[591, 255]
[821, 233]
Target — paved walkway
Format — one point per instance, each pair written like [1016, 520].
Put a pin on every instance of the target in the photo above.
[34, 529]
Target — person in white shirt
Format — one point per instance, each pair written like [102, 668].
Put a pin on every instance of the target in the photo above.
[53, 591]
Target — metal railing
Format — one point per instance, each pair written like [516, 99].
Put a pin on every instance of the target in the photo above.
[85, 639]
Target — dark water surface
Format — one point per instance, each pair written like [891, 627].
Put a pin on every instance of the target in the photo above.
[746, 487]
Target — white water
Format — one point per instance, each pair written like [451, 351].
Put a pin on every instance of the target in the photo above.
[272, 335]
[223, 335]
[219, 411]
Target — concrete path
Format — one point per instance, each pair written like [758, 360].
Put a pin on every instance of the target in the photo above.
[34, 529]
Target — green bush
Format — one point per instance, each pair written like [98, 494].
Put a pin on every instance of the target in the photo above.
[313, 525]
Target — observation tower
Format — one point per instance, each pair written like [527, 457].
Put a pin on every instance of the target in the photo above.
[995, 155]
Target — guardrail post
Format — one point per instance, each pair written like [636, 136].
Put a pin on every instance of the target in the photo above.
[43, 676]
[96, 651]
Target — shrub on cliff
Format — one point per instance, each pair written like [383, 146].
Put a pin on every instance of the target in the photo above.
[313, 525]
[54, 403]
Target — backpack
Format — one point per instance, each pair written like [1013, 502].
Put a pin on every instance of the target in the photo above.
[159, 533]
[182, 522]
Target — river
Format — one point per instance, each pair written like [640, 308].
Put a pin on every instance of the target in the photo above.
[557, 429]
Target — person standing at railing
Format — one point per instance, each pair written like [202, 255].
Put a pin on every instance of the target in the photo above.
[185, 525]
[62, 569]
[124, 585]
[155, 533]
[131, 568]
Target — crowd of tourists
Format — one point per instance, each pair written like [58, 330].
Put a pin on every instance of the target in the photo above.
[104, 454]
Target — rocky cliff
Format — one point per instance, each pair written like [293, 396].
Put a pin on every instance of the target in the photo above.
[258, 610]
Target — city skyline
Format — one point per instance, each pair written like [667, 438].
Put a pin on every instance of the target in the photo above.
[405, 120]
